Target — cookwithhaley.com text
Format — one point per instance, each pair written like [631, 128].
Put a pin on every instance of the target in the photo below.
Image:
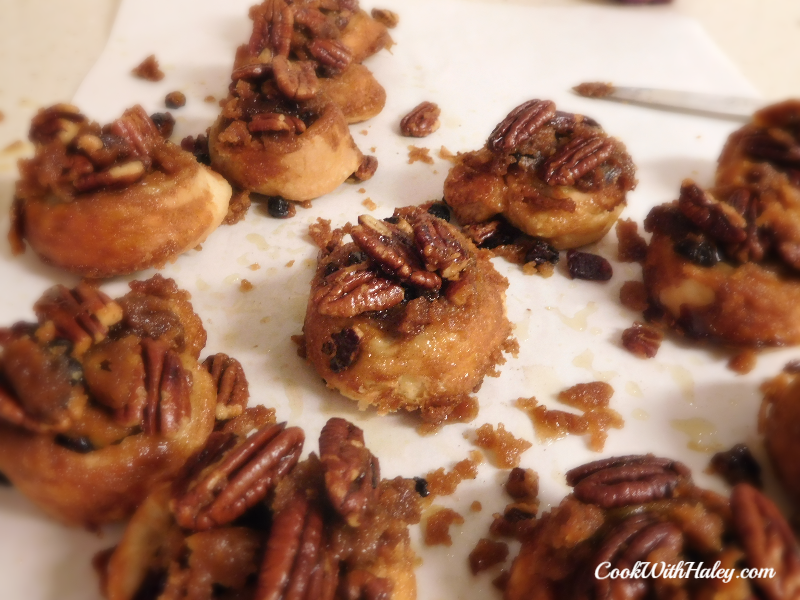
[681, 570]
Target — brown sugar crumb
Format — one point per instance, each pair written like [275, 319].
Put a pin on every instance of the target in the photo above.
[633, 295]
[175, 100]
[437, 527]
[320, 233]
[386, 17]
[210, 99]
[198, 248]
[487, 554]
[587, 396]
[523, 484]
[148, 69]
[594, 89]
[369, 204]
[435, 416]
[642, 340]
[245, 286]
[373, 149]
[304, 204]
[517, 518]
[476, 506]
[444, 484]
[363, 132]
[290, 263]
[744, 362]
[631, 246]
[256, 266]
[300, 340]
[445, 154]
[2, 116]
[237, 207]
[502, 445]
[362, 190]
[415, 154]
[737, 465]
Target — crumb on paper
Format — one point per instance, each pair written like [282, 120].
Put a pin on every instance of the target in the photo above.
[419, 154]
[642, 340]
[245, 285]
[594, 89]
[210, 99]
[502, 445]
[148, 69]
[437, 527]
[631, 247]
[255, 267]
[441, 483]
[290, 263]
[386, 17]
[445, 154]
[304, 204]
[265, 320]
[633, 295]
[487, 554]
[13, 147]
[369, 204]
[743, 362]
[435, 417]
[199, 247]
[362, 190]
[363, 132]
[476, 506]
[2, 116]
[373, 149]
[237, 207]
[175, 99]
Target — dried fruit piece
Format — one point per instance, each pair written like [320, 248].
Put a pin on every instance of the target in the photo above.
[591, 267]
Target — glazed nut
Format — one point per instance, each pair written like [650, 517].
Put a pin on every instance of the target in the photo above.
[297, 80]
[275, 122]
[422, 121]
[520, 125]
[57, 121]
[352, 472]
[386, 17]
[440, 248]
[118, 176]
[168, 389]
[367, 168]
[575, 159]
[231, 385]
[357, 291]
[642, 340]
[625, 480]
[331, 53]
[252, 72]
[280, 27]
[12, 412]
[82, 315]
[772, 147]
[240, 479]
[720, 221]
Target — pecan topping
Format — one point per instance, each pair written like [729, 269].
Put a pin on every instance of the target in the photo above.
[231, 385]
[118, 176]
[737, 465]
[520, 125]
[168, 388]
[276, 122]
[320, 27]
[251, 72]
[701, 252]
[575, 159]
[139, 132]
[771, 146]
[768, 541]
[717, 219]
[280, 27]
[11, 412]
[294, 561]
[367, 168]
[441, 250]
[625, 480]
[422, 121]
[55, 121]
[353, 292]
[296, 80]
[81, 315]
[642, 340]
[385, 17]
[241, 479]
[331, 53]
[352, 473]
[394, 250]
[632, 541]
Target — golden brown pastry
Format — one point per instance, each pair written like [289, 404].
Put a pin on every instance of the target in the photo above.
[409, 315]
[107, 201]
[631, 509]
[327, 528]
[779, 422]
[551, 174]
[101, 400]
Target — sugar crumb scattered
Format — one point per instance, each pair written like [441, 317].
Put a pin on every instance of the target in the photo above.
[369, 204]
[148, 69]
[419, 154]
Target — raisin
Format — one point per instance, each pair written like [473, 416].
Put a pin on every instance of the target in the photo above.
[591, 267]
[347, 343]
[81, 445]
[421, 486]
[541, 252]
[701, 252]
[280, 208]
[737, 465]
[197, 146]
[164, 122]
[440, 211]
[175, 100]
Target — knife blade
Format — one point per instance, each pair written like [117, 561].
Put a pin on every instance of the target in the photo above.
[724, 107]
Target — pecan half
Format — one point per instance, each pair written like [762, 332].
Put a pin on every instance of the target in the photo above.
[642, 340]
[575, 159]
[631, 542]
[768, 541]
[393, 249]
[118, 176]
[55, 121]
[281, 24]
[140, 133]
[241, 479]
[332, 54]
[440, 247]
[231, 384]
[294, 564]
[252, 72]
[353, 292]
[422, 121]
[520, 125]
[82, 315]
[168, 388]
[352, 472]
[367, 168]
[12, 412]
[770, 146]
[296, 80]
[625, 480]
[719, 220]
[314, 20]
[276, 122]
